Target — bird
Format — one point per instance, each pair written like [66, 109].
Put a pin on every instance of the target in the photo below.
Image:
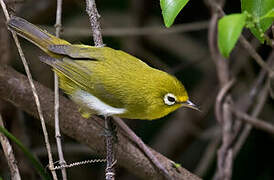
[104, 81]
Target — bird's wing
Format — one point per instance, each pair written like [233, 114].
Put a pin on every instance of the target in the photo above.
[76, 75]
[80, 75]
[82, 52]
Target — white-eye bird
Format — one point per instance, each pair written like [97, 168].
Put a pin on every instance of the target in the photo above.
[105, 81]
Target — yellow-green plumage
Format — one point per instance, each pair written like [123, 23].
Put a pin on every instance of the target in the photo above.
[113, 76]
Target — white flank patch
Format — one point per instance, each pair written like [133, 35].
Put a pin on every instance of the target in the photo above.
[96, 104]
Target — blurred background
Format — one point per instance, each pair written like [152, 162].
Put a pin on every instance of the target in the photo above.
[186, 136]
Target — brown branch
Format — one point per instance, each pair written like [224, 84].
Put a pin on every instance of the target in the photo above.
[223, 114]
[254, 54]
[14, 87]
[134, 138]
[225, 158]
[255, 122]
[221, 63]
[219, 100]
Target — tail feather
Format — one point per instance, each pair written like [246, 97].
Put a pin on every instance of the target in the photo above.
[34, 34]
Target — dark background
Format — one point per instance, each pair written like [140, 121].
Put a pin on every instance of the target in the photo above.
[186, 136]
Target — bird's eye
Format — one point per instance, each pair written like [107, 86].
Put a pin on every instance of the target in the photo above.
[169, 99]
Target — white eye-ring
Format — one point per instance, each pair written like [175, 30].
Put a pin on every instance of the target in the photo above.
[169, 99]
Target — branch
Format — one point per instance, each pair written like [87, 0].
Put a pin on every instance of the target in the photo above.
[225, 158]
[7, 148]
[94, 22]
[34, 92]
[62, 162]
[255, 122]
[219, 100]
[14, 87]
[254, 54]
[110, 136]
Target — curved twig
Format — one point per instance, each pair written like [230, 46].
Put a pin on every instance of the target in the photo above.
[34, 91]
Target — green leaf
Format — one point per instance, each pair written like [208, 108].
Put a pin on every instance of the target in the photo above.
[37, 165]
[170, 9]
[229, 30]
[258, 8]
[269, 14]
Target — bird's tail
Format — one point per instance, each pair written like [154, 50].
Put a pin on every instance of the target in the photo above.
[34, 34]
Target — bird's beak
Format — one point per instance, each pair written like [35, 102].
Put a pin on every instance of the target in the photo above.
[191, 105]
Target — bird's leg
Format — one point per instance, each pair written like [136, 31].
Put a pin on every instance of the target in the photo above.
[110, 142]
[111, 131]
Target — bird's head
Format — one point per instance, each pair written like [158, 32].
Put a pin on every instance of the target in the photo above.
[171, 96]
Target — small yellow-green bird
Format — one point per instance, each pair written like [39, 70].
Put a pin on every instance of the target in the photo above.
[105, 81]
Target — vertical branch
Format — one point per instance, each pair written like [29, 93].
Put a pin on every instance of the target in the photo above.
[110, 171]
[34, 91]
[94, 22]
[58, 23]
[97, 37]
[62, 162]
[98, 41]
[225, 158]
[220, 62]
[223, 114]
[14, 171]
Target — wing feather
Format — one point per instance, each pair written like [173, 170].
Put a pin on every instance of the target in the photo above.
[78, 51]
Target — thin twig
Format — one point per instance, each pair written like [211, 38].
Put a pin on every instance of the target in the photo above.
[34, 92]
[254, 54]
[94, 22]
[225, 158]
[58, 23]
[62, 162]
[98, 41]
[110, 168]
[7, 148]
[219, 100]
[255, 122]
[223, 114]
[220, 62]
